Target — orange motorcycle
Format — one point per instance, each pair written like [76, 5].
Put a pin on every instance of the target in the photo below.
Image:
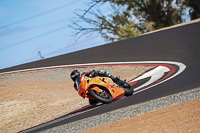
[102, 89]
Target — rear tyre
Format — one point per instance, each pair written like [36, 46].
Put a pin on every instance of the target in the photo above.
[103, 96]
[127, 88]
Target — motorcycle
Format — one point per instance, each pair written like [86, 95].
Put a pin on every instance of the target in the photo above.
[102, 89]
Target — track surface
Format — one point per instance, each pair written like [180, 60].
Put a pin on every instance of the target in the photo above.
[180, 44]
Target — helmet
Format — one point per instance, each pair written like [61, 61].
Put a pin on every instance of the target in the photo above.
[74, 74]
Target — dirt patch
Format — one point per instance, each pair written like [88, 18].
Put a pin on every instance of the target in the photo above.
[31, 98]
[181, 118]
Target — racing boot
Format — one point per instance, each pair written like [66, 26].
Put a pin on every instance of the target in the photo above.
[92, 102]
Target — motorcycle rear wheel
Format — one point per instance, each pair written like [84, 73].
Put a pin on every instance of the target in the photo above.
[127, 88]
[103, 96]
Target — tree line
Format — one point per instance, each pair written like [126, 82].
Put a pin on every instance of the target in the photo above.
[130, 18]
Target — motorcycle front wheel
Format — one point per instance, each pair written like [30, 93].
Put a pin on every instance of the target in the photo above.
[103, 96]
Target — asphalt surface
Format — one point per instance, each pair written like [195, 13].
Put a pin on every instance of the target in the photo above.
[180, 44]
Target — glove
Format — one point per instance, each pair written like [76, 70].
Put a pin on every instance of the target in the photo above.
[91, 75]
[107, 72]
[118, 78]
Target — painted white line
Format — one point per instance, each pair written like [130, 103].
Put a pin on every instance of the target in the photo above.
[155, 75]
[181, 66]
[91, 64]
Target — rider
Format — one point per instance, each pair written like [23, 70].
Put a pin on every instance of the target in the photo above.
[76, 73]
[75, 76]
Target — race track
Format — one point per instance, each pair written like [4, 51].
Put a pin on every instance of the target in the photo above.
[180, 44]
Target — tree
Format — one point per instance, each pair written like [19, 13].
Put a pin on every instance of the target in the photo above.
[130, 18]
[116, 26]
[154, 14]
[194, 8]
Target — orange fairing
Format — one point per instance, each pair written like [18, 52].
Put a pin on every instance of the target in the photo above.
[87, 83]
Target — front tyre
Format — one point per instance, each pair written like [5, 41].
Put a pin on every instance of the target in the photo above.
[103, 96]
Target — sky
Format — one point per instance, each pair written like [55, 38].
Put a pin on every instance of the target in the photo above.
[30, 27]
